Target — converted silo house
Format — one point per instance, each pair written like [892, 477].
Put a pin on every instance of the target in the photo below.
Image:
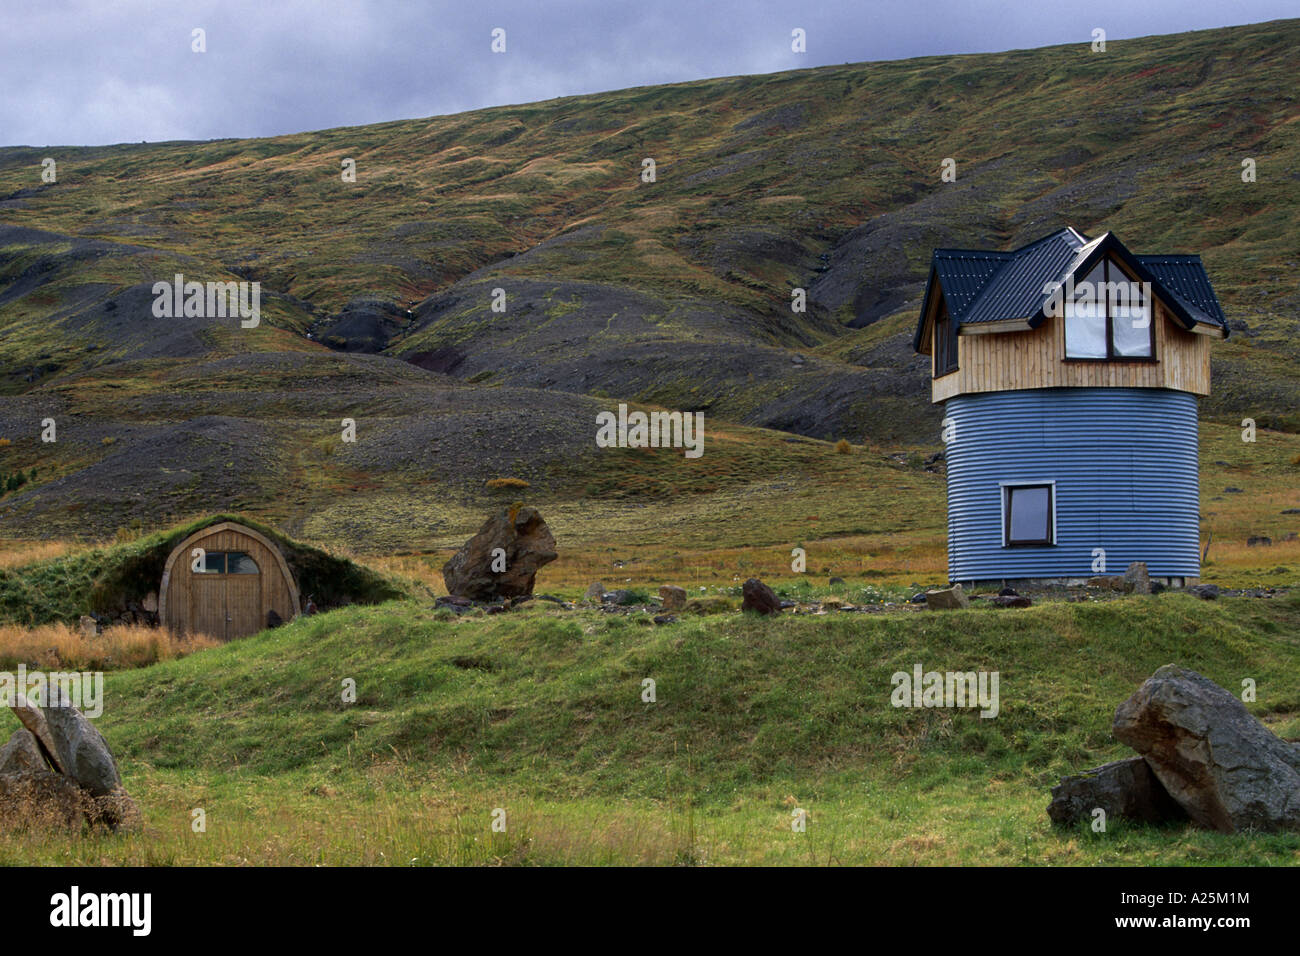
[223, 581]
[1069, 371]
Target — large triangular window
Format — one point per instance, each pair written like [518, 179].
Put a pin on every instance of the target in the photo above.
[1108, 316]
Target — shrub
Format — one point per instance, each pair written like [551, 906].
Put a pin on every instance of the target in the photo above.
[507, 483]
[842, 447]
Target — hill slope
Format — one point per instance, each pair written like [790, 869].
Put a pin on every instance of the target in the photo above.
[674, 293]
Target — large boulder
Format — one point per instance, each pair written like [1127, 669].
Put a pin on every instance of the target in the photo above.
[527, 543]
[33, 719]
[81, 749]
[1221, 764]
[1126, 788]
[22, 753]
[757, 596]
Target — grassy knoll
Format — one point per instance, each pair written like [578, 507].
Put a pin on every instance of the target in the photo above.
[540, 713]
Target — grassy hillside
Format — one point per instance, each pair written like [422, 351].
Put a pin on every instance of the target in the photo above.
[674, 293]
[540, 713]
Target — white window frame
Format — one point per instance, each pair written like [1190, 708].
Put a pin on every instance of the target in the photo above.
[1024, 483]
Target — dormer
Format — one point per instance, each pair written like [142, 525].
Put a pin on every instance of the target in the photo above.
[1067, 312]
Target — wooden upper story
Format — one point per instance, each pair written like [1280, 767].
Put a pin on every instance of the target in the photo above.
[1067, 312]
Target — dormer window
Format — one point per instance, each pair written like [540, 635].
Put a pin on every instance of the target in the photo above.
[1109, 317]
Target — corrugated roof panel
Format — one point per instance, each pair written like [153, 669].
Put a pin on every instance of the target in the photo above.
[1185, 277]
[962, 275]
[1016, 292]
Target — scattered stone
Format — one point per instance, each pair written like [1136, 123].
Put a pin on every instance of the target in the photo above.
[1291, 511]
[595, 592]
[786, 605]
[273, 620]
[150, 602]
[834, 581]
[918, 598]
[1225, 768]
[1011, 600]
[757, 596]
[673, 597]
[89, 626]
[495, 608]
[1206, 592]
[619, 597]
[665, 619]
[1259, 541]
[1233, 491]
[947, 599]
[1136, 579]
[1126, 788]
[1008, 592]
[528, 545]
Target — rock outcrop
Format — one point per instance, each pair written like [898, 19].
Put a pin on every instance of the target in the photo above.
[58, 771]
[1125, 788]
[1226, 769]
[502, 560]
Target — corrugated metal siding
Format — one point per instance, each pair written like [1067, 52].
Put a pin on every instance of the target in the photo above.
[1125, 465]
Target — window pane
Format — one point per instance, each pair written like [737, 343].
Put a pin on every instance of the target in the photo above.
[239, 563]
[214, 562]
[1130, 316]
[1085, 318]
[1030, 510]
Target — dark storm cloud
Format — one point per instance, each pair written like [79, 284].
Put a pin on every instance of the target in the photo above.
[90, 72]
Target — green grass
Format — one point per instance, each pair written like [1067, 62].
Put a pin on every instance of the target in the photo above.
[540, 712]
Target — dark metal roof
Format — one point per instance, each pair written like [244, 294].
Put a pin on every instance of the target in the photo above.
[987, 286]
[1184, 277]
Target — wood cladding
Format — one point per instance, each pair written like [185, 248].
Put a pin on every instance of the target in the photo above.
[1035, 358]
[226, 606]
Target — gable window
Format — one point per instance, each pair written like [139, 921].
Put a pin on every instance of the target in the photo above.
[1109, 317]
[945, 344]
[1028, 513]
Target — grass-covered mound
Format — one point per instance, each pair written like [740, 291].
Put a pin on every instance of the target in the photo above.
[541, 712]
[103, 580]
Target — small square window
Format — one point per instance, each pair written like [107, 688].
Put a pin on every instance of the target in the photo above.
[1028, 514]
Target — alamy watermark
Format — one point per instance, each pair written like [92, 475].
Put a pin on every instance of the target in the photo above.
[651, 430]
[955, 689]
[1127, 300]
[208, 300]
[82, 689]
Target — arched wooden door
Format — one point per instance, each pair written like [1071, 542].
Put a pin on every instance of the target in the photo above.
[222, 581]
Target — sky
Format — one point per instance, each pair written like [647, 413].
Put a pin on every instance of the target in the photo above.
[92, 72]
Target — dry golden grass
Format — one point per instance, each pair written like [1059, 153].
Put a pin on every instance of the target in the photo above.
[117, 648]
[17, 552]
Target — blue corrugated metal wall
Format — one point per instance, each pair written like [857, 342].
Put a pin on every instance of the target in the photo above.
[1125, 465]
